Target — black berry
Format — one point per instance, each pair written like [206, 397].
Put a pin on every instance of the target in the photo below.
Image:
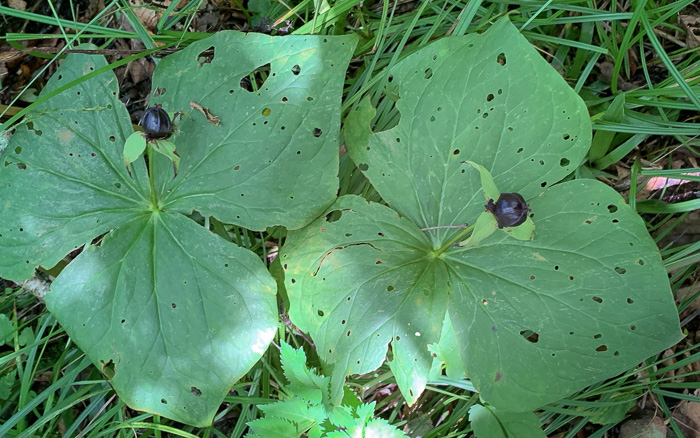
[510, 209]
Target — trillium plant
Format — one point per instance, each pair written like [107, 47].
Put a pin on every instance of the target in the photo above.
[480, 261]
[530, 313]
[172, 314]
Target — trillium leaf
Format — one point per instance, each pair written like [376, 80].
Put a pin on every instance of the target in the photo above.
[535, 320]
[62, 177]
[256, 158]
[172, 313]
[362, 281]
[586, 299]
[487, 98]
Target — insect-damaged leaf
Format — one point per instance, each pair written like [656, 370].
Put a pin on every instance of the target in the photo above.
[535, 320]
[259, 140]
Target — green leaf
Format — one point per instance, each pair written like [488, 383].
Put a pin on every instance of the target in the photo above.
[447, 353]
[173, 314]
[301, 413]
[484, 226]
[7, 329]
[6, 383]
[488, 422]
[487, 184]
[614, 409]
[26, 337]
[62, 177]
[302, 381]
[603, 139]
[273, 427]
[167, 149]
[363, 281]
[535, 320]
[269, 157]
[519, 120]
[590, 287]
[134, 146]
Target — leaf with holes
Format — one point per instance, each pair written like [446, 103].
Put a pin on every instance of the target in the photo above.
[535, 320]
[259, 141]
[172, 314]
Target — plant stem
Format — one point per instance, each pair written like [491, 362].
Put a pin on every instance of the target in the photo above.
[461, 236]
[151, 179]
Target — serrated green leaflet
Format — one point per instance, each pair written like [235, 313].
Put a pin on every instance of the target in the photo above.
[172, 314]
[535, 320]
[265, 157]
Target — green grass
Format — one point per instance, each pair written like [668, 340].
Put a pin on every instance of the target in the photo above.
[644, 115]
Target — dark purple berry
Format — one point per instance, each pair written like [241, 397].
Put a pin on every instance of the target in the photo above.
[156, 123]
[510, 209]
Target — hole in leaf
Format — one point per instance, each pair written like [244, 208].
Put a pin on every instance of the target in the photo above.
[164, 401]
[317, 132]
[602, 348]
[21, 166]
[390, 288]
[320, 313]
[195, 391]
[490, 97]
[255, 80]
[334, 216]
[598, 300]
[519, 150]
[612, 208]
[173, 305]
[620, 270]
[566, 136]
[296, 70]
[455, 152]
[597, 336]
[428, 73]
[501, 59]
[530, 335]
[363, 167]
[633, 327]
[18, 150]
[205, 56]
[159, 91]
[266, 111]
[564, 162]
